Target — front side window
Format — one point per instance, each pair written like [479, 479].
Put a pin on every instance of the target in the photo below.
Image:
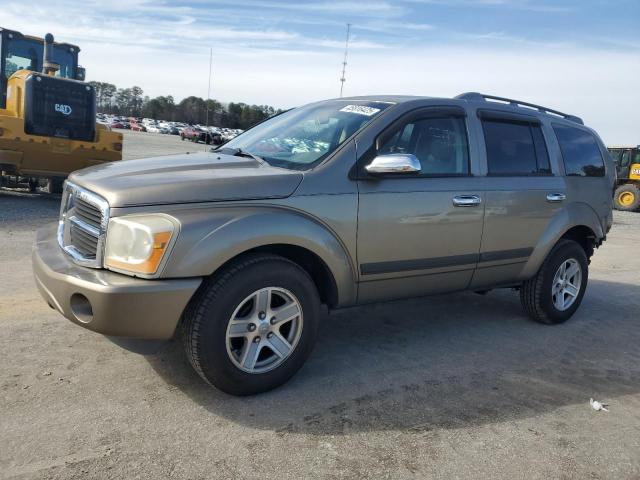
[580, 152]
[303, 137]
[22, 54]
[27, 54]
[440, 144]
[515, 148]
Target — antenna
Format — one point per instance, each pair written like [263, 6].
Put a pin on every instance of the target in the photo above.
[344, 63]
[209, 96]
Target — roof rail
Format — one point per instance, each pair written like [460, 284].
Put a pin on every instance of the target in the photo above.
[481, 97]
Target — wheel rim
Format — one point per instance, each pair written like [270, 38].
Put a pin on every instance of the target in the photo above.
[264, 330]
[626, 198]
[566, 284]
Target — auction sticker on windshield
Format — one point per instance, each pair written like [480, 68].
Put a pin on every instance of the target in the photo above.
[360, 110]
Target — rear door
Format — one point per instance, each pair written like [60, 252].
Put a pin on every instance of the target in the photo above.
[415, 237]
[523, 194]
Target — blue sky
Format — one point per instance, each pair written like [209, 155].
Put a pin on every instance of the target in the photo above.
[578, 56]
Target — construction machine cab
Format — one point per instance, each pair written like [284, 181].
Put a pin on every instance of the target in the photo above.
[23, 52]
[47, 113]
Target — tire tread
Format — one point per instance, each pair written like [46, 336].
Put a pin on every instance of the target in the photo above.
[532, 290]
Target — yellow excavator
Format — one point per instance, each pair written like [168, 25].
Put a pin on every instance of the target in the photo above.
[48, 123]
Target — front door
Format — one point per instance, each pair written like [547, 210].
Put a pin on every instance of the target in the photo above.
[420, 233]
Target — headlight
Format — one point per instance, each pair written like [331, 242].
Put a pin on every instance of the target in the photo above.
[137, 243]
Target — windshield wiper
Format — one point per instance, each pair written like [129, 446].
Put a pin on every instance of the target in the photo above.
[238, 152]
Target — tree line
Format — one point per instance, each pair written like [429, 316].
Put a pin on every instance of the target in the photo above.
[132, 102]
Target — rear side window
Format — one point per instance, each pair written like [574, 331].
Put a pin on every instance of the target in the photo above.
[515, 148]
[580, 152]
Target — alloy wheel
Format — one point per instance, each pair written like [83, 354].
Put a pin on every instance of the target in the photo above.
[264, 330]
[566, 284]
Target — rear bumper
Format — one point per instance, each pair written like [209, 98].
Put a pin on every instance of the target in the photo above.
[106, 302]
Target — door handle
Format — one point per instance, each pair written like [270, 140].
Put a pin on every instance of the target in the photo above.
[556, 197]
[466, 200]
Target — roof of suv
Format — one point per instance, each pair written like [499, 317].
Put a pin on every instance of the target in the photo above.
[475, 97]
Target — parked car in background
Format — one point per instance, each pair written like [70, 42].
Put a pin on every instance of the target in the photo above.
[197, 134]
[138, 127]
[341, 202]
[117, 124]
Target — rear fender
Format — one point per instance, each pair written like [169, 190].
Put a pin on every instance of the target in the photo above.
[575, 214]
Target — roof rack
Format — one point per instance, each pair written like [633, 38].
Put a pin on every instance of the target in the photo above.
[481, 97]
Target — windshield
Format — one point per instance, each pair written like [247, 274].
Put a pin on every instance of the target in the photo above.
[303, 137]
[26, 54]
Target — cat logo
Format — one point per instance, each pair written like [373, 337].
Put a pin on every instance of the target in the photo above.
[63, 109]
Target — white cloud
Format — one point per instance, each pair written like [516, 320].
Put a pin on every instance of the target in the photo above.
[165, 50]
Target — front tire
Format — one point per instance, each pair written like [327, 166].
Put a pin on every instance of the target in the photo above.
[555, 293]
[252, 326]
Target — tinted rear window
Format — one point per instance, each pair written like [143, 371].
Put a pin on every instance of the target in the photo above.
[515, 148]
[580, 152]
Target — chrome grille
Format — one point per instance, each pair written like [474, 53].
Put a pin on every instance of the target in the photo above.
[90, 214]
[83, 225]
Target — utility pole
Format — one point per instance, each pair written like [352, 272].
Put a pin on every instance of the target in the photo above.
[344, 63]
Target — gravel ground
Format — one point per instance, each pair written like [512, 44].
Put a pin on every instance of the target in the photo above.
[455, 386]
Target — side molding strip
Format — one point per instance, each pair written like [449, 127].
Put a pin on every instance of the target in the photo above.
[442, 262]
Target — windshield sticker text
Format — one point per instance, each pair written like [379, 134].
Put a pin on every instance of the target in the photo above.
[360, 110]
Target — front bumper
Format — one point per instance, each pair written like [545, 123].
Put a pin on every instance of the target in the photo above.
[106, 302]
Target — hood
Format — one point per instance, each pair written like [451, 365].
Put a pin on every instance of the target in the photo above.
[198, 177]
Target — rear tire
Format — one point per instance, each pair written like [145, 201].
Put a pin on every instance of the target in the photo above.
[219, 352]
[550, 297]
[33, 185]
[54, 185]
[627, 197]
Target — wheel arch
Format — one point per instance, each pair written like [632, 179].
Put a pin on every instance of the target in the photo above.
[308, 260]
[578, 222]
[232, 233]
[584, 236]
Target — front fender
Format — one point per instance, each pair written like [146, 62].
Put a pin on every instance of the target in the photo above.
[210, 237]
[575, 214]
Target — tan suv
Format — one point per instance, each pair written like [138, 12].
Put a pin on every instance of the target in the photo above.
[340, 202]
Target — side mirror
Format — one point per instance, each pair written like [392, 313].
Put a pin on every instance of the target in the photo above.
[394, 163]
[81, 73]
